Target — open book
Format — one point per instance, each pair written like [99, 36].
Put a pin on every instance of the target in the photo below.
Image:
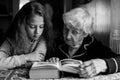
[67, 65]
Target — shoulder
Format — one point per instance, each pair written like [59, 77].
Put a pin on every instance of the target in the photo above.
[42, 43]
[98, 44]
[6, 46]
[6, 43]
[101, 49]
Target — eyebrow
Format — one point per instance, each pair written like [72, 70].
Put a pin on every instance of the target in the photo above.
[75, 28]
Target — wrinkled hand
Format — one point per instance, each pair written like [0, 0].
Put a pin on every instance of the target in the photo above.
[92, 67]
[53, 59]
[34, 56]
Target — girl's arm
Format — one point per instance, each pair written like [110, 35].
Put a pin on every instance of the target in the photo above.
[7, 61]
[41, 47]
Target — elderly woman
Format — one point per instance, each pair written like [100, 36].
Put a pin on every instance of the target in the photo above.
[80, 44]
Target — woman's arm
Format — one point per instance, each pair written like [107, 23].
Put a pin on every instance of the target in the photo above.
[113, 64]
[95, 66]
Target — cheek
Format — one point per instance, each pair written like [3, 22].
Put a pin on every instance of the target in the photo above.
[30, 31]
[41, 31]
[78, 39]
[64, 35]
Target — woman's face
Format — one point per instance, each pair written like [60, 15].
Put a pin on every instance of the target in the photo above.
[73, 34]
[35, 27]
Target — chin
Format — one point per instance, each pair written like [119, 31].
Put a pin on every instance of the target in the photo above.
[73, 46]
[35, 38]
[77, 46]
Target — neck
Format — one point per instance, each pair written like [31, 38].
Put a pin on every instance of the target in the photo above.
[72, 51]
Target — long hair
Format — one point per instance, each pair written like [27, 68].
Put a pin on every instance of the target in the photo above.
[17, 34]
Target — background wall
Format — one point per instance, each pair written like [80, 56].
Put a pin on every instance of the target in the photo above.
[101, 11]
[5, 14]
[115, 23]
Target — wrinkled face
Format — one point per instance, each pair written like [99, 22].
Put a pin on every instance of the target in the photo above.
[35, 27]
[73, 33]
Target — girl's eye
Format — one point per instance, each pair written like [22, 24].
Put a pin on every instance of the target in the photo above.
[32, 26]
[41, 26]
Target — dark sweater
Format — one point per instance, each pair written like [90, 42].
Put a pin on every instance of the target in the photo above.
[91, 49]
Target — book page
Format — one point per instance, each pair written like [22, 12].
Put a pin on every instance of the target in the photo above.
[70, 65]
[44, 64]
[70, 62]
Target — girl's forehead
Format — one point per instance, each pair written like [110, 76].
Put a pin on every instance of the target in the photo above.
[35, 19]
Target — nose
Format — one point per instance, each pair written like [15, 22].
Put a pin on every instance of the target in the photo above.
[37, 30]
[68, 35]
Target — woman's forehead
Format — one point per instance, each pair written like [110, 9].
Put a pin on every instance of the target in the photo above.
[73, 24]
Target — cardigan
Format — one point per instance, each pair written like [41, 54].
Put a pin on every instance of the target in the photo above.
[91, 48]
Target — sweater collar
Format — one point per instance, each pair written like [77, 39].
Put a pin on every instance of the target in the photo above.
[81, 51]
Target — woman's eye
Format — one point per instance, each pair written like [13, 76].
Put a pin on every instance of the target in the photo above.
[74, 32]
[66, 31]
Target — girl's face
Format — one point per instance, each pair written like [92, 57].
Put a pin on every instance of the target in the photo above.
[35, 27]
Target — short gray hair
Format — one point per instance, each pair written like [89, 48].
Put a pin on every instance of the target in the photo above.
[82, 16]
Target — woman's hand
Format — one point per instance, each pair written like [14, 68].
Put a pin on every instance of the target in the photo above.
[92, 67]
[53, 59]
[34, 56]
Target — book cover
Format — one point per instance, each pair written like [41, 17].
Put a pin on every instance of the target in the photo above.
[43, 73]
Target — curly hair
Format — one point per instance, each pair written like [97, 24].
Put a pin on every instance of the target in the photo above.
[80, 15]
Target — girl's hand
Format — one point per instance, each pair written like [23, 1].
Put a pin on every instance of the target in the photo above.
[34, 56]
[92, 67]
[53, 59]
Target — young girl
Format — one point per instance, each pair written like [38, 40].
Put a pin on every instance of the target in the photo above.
[28, 39]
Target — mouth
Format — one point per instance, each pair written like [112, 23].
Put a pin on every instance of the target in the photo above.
[74, 44]
[69, 42]
[35, 36]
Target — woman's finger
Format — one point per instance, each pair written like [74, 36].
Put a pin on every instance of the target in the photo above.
[87, 63]
[83, 73]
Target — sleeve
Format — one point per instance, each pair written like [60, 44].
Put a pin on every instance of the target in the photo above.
[7, 61]
[113, 65]
[112, 59]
